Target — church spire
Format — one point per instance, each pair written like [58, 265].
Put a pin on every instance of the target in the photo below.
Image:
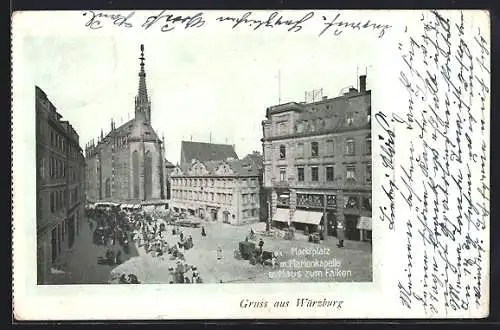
[142, 103]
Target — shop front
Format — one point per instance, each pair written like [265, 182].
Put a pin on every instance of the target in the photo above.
[281, 218]
[307, 220]
[365, 228]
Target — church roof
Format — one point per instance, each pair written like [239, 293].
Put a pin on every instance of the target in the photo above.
[203, 151]
[142, 129]
[134, 128]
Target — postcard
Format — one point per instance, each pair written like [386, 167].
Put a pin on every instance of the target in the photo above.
[250, 164]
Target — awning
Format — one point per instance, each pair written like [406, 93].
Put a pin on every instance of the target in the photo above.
[365, 223]
[282, 215]
[307, 217]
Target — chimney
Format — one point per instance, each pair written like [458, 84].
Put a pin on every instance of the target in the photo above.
[362, 83]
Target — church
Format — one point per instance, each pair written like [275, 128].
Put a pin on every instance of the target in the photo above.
[127, 164]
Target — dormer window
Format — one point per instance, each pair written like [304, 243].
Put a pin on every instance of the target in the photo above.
[349, 119]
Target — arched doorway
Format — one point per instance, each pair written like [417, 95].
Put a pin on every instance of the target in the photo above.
[225, 216]
[213, 212]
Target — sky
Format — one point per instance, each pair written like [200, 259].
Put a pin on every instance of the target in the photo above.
[216, 84]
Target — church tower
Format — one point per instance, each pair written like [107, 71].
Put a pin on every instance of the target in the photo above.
[142, 102]
[146, 152]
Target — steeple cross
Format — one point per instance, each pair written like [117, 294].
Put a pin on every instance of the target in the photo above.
[142, 56]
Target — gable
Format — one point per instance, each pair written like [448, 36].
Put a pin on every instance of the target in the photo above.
[223, 169]
[198, 169]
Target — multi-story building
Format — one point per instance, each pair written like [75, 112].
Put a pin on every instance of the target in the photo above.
[317, 161]
[169, 168]
[256, 159]
[127, 164]
[60, 186]
[225, 189]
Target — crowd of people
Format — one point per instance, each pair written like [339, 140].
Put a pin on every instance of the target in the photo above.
[163, 239]
[111, 230]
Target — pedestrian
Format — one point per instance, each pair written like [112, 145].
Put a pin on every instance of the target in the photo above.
[261, 245]
[203, 233]
[219, 253]
[340, 234]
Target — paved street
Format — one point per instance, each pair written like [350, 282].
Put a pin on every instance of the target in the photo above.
[81, 262]
[352, 263]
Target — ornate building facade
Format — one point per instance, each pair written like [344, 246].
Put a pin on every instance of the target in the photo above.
[127, 164]
[317, 163]
[224, 189]
[59, 187]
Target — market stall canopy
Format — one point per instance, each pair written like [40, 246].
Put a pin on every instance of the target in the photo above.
[307, 217]
[282, 215]
[365, 223]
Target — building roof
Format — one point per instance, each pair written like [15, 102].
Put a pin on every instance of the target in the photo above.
[238, 167]
[134, 128]
[168, 164]
[203, 151]
[255, 158]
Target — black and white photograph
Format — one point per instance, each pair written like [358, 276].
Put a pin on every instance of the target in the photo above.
[120, 207]
[240, 151]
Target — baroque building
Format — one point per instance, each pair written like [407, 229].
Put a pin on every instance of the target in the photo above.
[59, 187]
[317, 163]
[127, 164]
[223, 189]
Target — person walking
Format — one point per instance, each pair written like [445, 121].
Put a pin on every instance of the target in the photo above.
[219, 253]
[340, 234]
[203, 233]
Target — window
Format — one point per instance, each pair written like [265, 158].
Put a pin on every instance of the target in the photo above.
[351, 172]
[369, 145]
[300, 150]
[366, 203]
[351, 202]
[368, 174]
[42, 168]
[108, 187]
[300, 174]
[282, 174]
[212, 196]
[54, 244]
[314, 174]
[350, 147]
[314, 149]
[349, 119]
[330, 147]
[52, 202]
[282, 151]
[329, 173]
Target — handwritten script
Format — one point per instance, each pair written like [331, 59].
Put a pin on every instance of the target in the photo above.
[165, 22]
[435, 155]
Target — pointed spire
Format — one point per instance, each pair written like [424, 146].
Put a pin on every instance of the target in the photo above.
[102, 135]
[142, 104]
